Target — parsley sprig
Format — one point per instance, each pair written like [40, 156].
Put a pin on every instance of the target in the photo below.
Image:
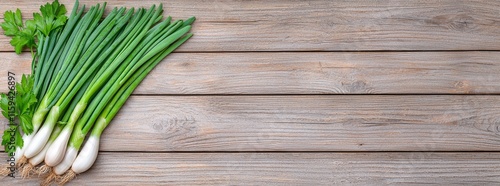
[52, 17]
[24, 107]
[25, 34]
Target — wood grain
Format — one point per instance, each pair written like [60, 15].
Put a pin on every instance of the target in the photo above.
[323, 25]
[305, 123]
[312, 73]
[288, 169]
[252, 98]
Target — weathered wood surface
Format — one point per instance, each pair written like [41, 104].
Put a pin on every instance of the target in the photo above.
[324, 25]
[225, 108]
[305, 123]
[312, 73]
[414, 168]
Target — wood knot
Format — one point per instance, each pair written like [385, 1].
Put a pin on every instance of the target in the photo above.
[186, 64]
[157, 127]
[463, 87]
[355, 87]
[460, 22]
[174, 124]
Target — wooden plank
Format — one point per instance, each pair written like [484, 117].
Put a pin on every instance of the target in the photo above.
[312, 73]
[305, 123]
[283, 25]
[288, 169]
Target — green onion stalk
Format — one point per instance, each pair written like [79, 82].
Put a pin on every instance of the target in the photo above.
[59, 86]
[39, 115]
[88, 154]
[30, 168]
[57, 149]
[105, 94]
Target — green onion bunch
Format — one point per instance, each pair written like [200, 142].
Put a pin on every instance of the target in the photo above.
[84, 69]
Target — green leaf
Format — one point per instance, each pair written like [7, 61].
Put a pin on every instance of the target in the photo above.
[28, 36]
[59, 22]
[20, 106]
[4, 105]
[8, 16]
[30, 26]
[10, 141]
[19, 139]
[47, 9]
[12, 22]
[18, 18]
[25, 102]
[28, 101]
[19, 86]
[40, 23]
[9, 29]
[18, 42]
[21, 37]
[26, 124]
[6, 140]
[26, 84]
[52, 17]
[61, 11]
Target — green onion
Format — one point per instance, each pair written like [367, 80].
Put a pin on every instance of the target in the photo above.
[84, 70]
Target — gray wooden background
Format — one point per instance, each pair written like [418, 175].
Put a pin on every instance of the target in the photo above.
[292, 92]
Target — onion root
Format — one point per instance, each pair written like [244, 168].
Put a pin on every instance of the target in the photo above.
[51, 177]
[5, 170]
[66, 177]
[26, 170]
[43, 170]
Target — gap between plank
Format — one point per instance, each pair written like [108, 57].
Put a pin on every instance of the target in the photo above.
[347, 94]
[306, 51]
[286, 152]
